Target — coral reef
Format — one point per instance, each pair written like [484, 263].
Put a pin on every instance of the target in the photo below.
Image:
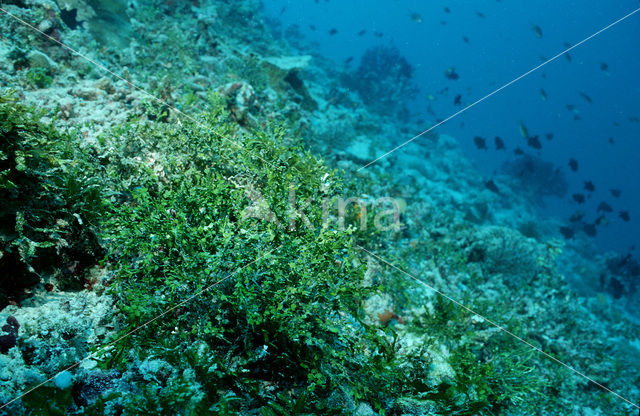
[119, 209]
[383, 80]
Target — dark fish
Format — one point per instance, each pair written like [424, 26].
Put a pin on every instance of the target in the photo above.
[624, 215]
[465, 39]
[573, 164]
[362, 32]
[543, 94]
[601, 221]
[611, 140]
[491, 185]
[634, 119]
[378, 34]
[577, 216]
[447, 10]
[499, 143]
[416, 17]
[589, 186]
[451, 73]
[333, 32]
[615, 192]
[570, 107]
[312, 27]
[479, 14]
[456, 101]
[566, 232]
[604, 66]
[537, 31]
[284, 8]
[579, 198]
[590, 230]
[586, 97]
[577, 117]
[604, 207]
[566, 55]
[534, 142]
[480, 142]
[348, 60]
[549, 136]
[518, 151]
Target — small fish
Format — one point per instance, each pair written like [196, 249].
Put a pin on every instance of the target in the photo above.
[480, 143]
[604, 207]
[577, 216]
[333, 32]
[451, 73]
[499, 143]
[615, 192]
[537, 31]
[447, 10]
[491, 185]
[312, 27]
[577, 117]
[378, 34]
[624, 215]
[431, 97]
[362, 32]
[534, 142]
[456, 100]
[611, 140]
[416, 17]
[586, 97]
[465, 39]
[589, 186]
[604, 66]
[480, 14]
[634, 119]
[566, 55]
[590, 230]
[543, 94]
[517, 151]
[601, 221]
[549, 136]
[348, 60]
[284, 9]
[573, 164]
[570, 107]
[579, 198]
[566, 232]
[524, 132]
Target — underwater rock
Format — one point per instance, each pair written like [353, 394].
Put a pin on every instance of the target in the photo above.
[39, 59]
[290, 63]
[8, 340]
[284, 73]
[359, 150]
[241, 99]
[63, 380]
[106, 20]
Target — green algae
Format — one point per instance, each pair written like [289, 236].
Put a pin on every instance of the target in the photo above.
[49, 209]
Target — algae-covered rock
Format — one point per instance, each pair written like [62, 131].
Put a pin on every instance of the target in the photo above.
[107, 20]
[285, 72]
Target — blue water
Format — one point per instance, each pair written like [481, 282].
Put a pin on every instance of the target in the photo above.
[501, 47]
